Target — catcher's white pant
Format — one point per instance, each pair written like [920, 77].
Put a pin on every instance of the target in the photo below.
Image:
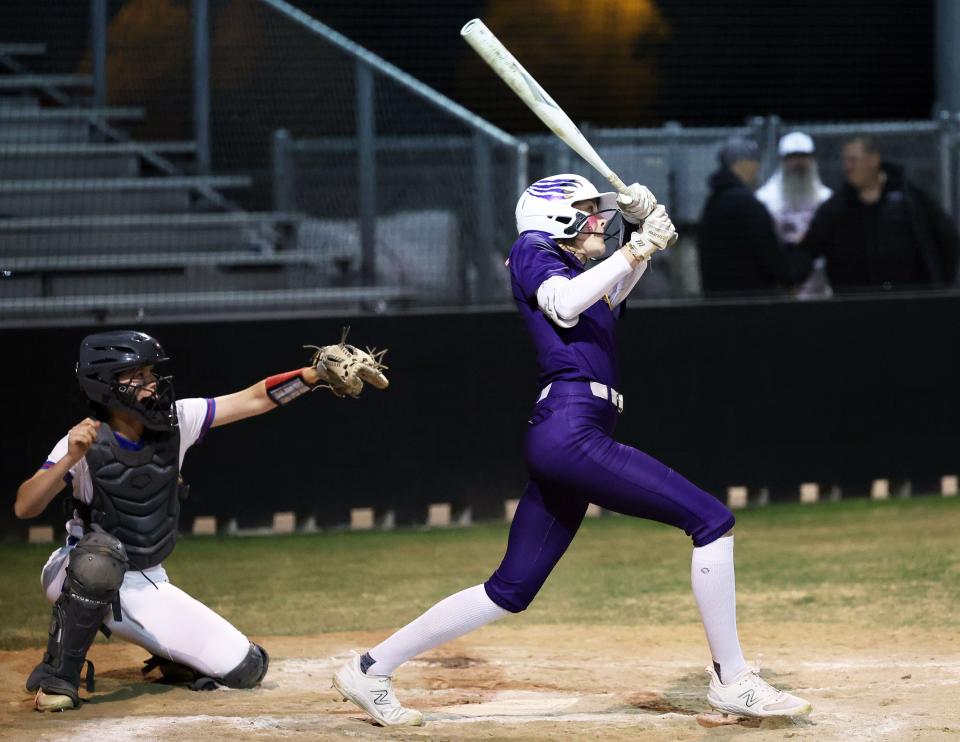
[163, 619]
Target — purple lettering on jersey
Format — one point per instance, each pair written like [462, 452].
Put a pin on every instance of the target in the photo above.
[585, 352]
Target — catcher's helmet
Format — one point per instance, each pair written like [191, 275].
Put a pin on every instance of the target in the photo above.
[104, 355]
[545, 206]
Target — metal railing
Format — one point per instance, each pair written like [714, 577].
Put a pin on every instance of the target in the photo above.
[675, 161]
[359, 177]
[375, 141]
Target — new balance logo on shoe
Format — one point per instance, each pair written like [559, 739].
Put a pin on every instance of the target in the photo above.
[380, 697]
[749, 698]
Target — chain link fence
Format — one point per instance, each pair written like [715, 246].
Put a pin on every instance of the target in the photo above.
[238, 157]
[413, 191]
[245, 159]
[675, 162]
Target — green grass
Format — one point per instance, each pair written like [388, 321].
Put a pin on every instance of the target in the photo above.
[893, 563]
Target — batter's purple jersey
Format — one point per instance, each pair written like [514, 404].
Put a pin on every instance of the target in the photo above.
[571, 454]
[585, 352]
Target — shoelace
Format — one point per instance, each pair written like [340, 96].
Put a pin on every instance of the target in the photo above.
[764, 685]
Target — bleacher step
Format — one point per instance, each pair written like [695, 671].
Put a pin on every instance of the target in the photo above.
[90, 150]
[17, 115]
[27, 82]
[50, 161]
[173, 221]
[30, 126]
[26, 198]
[138, 233]
[206, 301]
[19, 102]
[14, 49]
[104, 185]
[126, 261]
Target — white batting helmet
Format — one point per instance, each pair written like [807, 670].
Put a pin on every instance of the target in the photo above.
[545, 206]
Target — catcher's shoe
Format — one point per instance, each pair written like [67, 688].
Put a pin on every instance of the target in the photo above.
[53, 693]
[750, 695]
[52, 702]
[374, 694]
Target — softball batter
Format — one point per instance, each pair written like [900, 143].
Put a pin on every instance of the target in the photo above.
[572, 458]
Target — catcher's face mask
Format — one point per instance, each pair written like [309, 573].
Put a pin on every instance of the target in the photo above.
[148, 396]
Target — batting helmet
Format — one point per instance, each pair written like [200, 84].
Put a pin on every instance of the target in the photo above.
[546, 206]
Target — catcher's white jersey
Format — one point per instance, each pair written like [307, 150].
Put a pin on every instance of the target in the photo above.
[157, 615]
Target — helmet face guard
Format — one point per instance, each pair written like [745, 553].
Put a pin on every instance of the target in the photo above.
[106, 355]
[156, 409]
[547, 206]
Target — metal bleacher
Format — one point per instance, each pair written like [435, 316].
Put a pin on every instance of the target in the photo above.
[97, 226]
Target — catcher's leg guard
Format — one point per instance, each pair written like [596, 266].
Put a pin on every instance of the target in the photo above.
[250, 671]
[94, 575]
[177, 673]
[247, 674]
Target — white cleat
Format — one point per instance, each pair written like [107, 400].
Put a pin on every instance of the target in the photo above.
[750, 695]
[374, 694]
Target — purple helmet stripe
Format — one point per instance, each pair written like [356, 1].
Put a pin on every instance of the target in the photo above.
[554, 189]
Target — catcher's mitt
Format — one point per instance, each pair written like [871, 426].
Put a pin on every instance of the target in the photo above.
[344, 368]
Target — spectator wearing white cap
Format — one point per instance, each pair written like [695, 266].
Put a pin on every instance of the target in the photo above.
[795, 190]
[792, 195]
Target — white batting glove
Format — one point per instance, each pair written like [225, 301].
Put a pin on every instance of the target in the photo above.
[657, 233]
[636, 204]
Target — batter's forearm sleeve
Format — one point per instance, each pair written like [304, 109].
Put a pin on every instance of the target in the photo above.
[622, 290]
[563, 299]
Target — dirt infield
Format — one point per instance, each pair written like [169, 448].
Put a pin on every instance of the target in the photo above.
[534, 682]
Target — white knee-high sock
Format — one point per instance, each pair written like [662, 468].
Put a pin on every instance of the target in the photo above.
[714, 587]
[452, 617]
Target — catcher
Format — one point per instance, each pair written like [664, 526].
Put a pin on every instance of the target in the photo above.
[123, 463]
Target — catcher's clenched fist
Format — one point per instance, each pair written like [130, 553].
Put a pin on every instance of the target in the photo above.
[344, 368]
[81, 437]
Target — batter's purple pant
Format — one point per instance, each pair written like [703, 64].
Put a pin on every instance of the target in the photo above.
[573, 461]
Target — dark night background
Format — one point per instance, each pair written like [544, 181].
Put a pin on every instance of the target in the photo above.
[817, 59]
[710, 63]
[834, 371]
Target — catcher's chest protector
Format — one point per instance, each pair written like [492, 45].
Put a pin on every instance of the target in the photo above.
[135, 494]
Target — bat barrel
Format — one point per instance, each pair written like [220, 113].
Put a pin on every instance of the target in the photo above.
[471, 26]
[506, 66]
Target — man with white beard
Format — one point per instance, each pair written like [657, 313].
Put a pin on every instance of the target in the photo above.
[792, 196]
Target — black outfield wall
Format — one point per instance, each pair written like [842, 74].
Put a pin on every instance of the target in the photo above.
[771, 395]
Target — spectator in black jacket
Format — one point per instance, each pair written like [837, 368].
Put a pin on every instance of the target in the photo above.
[739, 250]
[880, 231]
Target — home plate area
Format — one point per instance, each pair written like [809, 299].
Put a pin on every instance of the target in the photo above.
[529, 682]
